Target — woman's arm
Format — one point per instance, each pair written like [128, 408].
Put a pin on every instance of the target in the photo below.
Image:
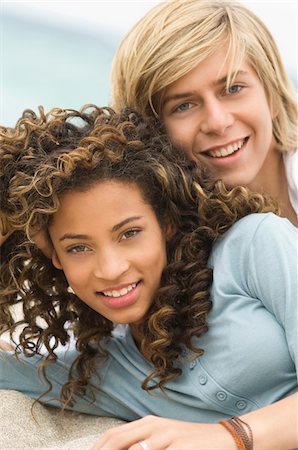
[274, 427]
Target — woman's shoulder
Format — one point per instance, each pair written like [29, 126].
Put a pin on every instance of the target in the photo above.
[259, 230]
[261, 223]
[260, 249]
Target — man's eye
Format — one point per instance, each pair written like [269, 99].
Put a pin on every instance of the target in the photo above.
[77, 249]
[184, 107]
[234, 89]
[130, 233]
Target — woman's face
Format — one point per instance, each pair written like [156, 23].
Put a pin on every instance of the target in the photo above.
[111, 248]
[230, 131]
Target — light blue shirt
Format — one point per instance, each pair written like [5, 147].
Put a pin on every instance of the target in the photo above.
[250, 348]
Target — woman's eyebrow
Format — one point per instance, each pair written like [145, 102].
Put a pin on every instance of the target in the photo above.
[74, 236]
[125, 221]
[86, 237]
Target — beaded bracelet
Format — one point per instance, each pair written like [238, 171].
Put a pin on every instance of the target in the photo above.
[243, 437]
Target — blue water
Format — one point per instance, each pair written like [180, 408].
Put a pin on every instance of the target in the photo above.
[51, 66]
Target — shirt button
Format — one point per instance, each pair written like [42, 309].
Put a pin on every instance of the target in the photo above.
[203, 379]
[241, 404]
[192, 364]
[221, 396]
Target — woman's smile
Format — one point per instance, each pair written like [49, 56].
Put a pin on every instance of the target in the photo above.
[121, 298]
[111, 248]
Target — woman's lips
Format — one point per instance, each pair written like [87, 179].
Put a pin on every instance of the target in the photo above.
[121, 301]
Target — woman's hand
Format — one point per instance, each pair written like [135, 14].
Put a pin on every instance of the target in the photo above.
[166, 434]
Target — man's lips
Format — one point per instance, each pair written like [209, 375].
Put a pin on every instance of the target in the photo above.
[222, 151]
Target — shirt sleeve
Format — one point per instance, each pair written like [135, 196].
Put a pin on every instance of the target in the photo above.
[22, 374]
[272, 274]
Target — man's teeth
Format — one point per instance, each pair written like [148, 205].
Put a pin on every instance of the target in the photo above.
[225, 151]
[122, 291]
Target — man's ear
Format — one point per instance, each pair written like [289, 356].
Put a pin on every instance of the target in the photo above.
[274, 109]
[56, 261]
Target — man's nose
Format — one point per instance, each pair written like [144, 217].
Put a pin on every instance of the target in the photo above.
[216, 118]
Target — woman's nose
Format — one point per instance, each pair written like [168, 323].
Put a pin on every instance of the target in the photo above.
[110, 265]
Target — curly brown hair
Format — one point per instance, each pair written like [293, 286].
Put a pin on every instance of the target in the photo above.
[47, 155]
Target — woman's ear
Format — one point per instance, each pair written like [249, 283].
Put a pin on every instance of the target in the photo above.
[169, 231]
[56, 261]
[43, 241]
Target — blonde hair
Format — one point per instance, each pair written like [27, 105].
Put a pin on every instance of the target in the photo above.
[175, 36]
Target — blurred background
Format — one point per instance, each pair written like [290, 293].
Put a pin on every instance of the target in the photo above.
[59, 53]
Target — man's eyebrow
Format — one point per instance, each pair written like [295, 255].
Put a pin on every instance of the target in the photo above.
[179, 96]
[185, 95]
[86, 237]
[224, 79]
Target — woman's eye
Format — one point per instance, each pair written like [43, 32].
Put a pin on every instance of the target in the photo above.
[234, 89]
[77, 249]
[130, 233]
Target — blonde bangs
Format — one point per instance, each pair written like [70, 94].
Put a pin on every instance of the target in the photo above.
[176, 36]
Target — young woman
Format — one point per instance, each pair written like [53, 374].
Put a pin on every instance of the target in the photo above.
[211, 73]
[143, 238]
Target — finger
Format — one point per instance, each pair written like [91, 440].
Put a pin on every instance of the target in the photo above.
[120, 437]
[143, 445]
[129, 436]
[154, 442]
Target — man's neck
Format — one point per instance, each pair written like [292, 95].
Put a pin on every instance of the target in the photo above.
[273, 181]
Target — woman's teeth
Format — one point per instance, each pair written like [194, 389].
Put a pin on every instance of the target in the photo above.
[225, 151]
[122, 291]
